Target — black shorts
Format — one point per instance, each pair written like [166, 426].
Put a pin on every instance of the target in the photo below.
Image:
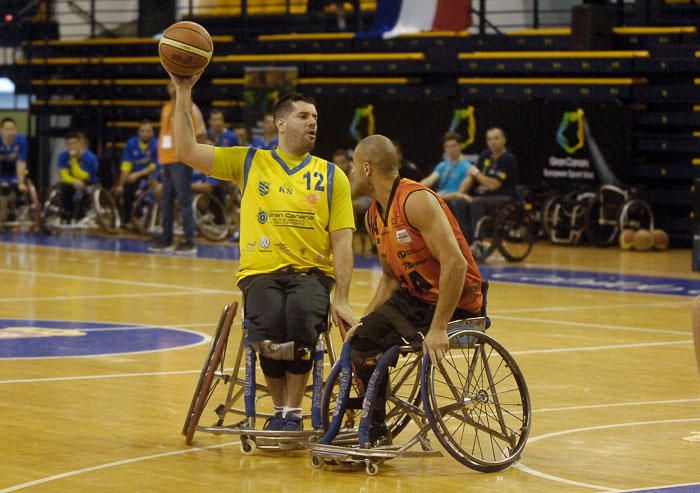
[286, 306]
[378, 332]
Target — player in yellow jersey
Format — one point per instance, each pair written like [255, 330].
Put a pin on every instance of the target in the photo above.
[296, 240]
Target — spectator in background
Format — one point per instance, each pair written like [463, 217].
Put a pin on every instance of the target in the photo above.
[77, 168]
[490, 183]
[361, 240]
[242, 134]
[269, 139]
[448, 175]
[138, 164]
[218, 134]
[176, 178]
[407, 169]
[13, 166]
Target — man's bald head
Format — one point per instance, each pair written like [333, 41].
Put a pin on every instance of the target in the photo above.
[380, 152]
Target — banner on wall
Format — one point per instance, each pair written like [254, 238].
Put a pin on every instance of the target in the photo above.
[553, 142]
[263, 88]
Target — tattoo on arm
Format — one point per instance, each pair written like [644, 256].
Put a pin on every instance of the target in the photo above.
[188, 118]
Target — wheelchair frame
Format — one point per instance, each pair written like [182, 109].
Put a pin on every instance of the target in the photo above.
[246, 388]
[511, 231]
[27, 216]
[499, 418]
[102, 211]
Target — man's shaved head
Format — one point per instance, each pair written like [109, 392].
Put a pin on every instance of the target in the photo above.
[380, 152]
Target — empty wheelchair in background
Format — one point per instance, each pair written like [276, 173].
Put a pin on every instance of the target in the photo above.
[210, 217]
[20, 211]
[564, 217]
[612, 210]
[510, 229]
[475, 401]
[98, 210]
[245, 400]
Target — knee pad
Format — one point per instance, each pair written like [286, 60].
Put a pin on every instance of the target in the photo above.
[282, 351]
[299, 366]
[272, 368]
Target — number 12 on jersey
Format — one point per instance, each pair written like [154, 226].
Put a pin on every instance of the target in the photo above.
[317, 178]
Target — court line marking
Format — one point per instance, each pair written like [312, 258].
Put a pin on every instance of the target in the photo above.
[597, 348]
[616, 404]
[117, 463]
[598, 306]
[540, 474]
[656, 488]
[149, 294]
[588, 324]
[204, 339]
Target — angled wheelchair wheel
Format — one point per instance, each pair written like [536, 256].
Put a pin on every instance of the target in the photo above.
[210, 217]
[515, 231]
[601, 221]
[485, 241]
[351, 420]
[207, 382]
[636, 214]
[477, 402]
[106, 210]
[52, 211]
[144, 213]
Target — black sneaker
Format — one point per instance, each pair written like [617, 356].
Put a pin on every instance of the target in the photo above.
[160, 246]
[186, 247]
[379, 435]
[293, 423]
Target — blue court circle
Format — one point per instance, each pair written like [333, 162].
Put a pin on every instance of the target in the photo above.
[58, 338]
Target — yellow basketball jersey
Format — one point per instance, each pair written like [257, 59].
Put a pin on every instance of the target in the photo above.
[289, 207]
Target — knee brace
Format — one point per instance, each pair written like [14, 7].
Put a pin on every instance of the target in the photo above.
[282, 351]
[299, 366]
[272, 368]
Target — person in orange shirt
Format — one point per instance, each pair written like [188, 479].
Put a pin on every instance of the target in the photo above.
[177, 179]
[429, 274]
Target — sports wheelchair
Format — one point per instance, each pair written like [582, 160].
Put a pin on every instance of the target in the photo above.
[99, 205]
[19, 211]
[475, 401]
[253, 394]
[509, 228]
[210, 217]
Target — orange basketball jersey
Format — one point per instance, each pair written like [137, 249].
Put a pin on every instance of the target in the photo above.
[403, 248]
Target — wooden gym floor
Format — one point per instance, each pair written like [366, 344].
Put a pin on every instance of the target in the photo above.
[606, 352]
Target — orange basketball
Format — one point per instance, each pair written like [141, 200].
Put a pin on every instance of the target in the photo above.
[626, 238]
[661, 239]
[185, 48]
[643, 240]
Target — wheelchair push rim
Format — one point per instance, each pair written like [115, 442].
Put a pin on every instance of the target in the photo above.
[477, 402]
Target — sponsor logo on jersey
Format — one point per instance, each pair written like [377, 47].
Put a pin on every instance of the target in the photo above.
[262, 216]
[263, 187]
[265, 242]
[403, 236]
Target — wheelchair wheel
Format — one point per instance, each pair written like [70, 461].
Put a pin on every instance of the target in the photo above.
[601, 221]
[52, 211]
[143, 212]
[106, 210]
[215, 361]
[485, 241]
[329, 400]
[477, 402]
[404, 387]
[515, 231]
[550, 211]
[210, 217]
[636, 214]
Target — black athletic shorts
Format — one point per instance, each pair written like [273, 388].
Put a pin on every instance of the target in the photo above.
[286, 306]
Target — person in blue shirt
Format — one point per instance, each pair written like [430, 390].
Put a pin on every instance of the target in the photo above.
[13, 166]
[77, 168]
[268, 140]
[448, 175]
[218, 134]
[138, 164]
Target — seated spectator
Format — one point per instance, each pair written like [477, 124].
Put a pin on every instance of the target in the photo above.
[448, 175]
[269, 139]
[78, 169]
[138, 164]
[407, 169]
[217, 133]
[13, 166]
[490, 183]
[242, 134]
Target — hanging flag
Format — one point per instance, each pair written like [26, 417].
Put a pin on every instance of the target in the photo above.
[397, 17]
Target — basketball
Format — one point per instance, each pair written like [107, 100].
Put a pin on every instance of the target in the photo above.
[185, 48]
[643, 240]
[626, 239]
[661, 239]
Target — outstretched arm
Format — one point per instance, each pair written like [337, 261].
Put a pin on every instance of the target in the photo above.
[188, 150]
[341, 245]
